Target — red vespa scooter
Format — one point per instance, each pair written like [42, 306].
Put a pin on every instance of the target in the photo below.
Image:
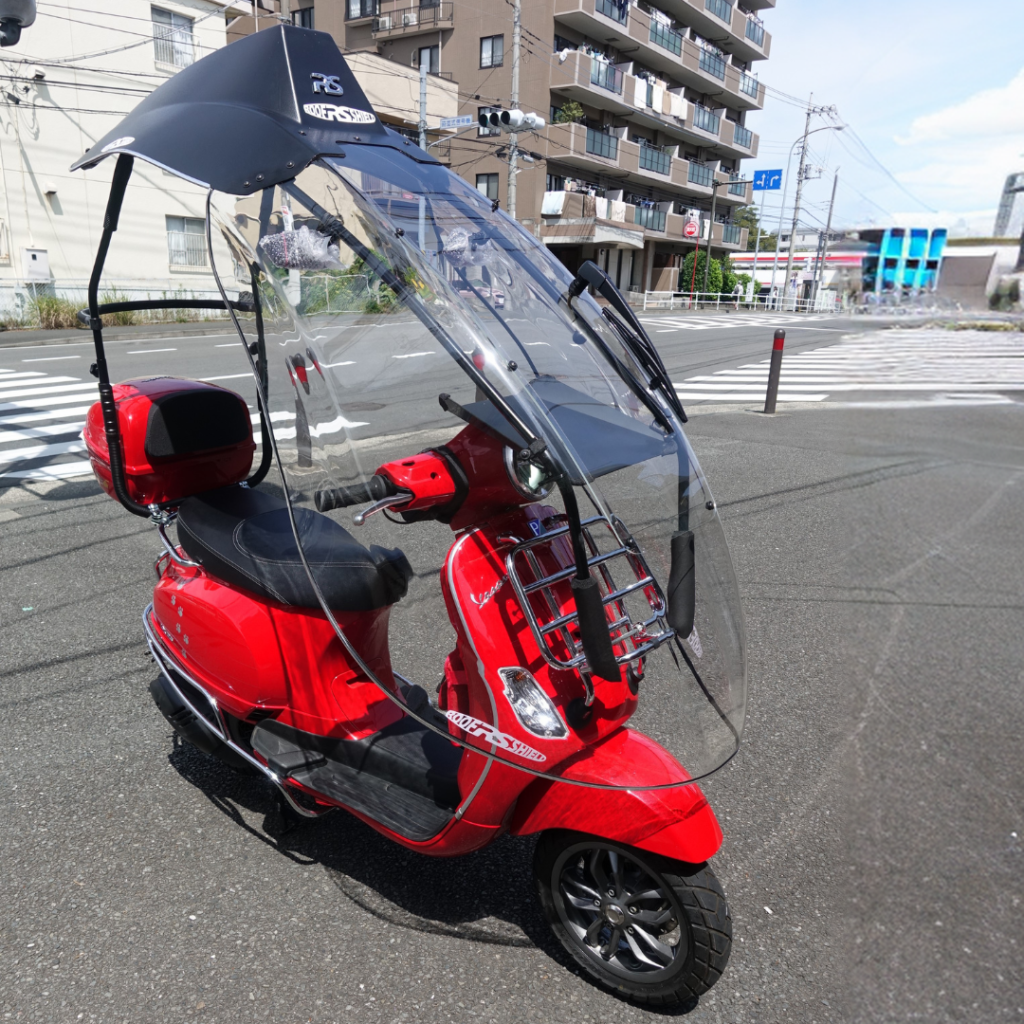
[596, 670]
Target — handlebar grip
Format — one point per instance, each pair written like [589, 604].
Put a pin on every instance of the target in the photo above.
[374, 489]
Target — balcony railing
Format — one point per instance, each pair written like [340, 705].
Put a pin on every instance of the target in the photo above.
[617, 10]
[699, 174]
[712, 62]
[649, 217]
[185, 249]
[737, 187]
[748, 84]
[361, 9]
[668, 38]
[654, 159]
[705, 119]
[720, 9]
[742, 136]
[731, 233]
[606, 76]
[426, 16]
[755, 32]
[602, 144]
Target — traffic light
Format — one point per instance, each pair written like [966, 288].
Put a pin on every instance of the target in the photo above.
[511, 121]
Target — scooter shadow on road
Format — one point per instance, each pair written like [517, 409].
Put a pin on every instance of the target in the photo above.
[484, 897]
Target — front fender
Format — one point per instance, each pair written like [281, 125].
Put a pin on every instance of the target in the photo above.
[676, 822]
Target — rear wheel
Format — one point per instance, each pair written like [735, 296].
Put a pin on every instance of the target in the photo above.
[655, 930]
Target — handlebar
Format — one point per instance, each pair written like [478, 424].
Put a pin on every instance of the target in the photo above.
[376, 488]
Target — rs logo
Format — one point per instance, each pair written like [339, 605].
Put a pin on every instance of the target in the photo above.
[327, 83]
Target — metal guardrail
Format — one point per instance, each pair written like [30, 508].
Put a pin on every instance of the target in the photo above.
[607, 76]
[617, 10]
[737, 188]
[827, 302]
[650, 218]
[175, 47]
[706, 119]
[185, 249]
[749, 84]
[731, 232]
[713, 63]
[720, 9]
[698, 174]
[755, 32]
[667, 38]
[654, 159]
[414, 17]
[742, 136]
[602, 144]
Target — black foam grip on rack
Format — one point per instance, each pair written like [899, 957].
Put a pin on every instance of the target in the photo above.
[597, 644]
[682, 589]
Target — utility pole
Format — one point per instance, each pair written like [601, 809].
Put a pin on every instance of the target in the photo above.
[754, 288]
[819, 277]
[513, 147]
[799, 191]
[422, 235]
[711, 230]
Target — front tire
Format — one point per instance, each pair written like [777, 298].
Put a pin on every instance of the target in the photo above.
[655, 930]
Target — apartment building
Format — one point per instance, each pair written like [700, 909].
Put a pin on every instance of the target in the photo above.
[647, 108]
[74, 75]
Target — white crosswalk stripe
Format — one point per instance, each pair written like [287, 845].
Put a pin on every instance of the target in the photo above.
[721, 321]
[958, 366]
[41, 420]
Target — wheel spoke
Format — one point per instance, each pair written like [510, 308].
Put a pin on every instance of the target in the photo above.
[580, 887]
[580, 902]
[659, 948]
[652, 917]
[616, 862]
[594, 932]
[640, 954]
[597, 870]
[648, 894]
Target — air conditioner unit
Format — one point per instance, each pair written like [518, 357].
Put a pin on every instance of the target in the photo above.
[410, 18]
[384, 23]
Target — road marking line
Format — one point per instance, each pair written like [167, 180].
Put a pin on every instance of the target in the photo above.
[146, 351]
[49, 359]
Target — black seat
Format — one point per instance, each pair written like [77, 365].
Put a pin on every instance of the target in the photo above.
[244, 537]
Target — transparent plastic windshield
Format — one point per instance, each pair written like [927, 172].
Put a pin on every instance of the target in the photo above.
[433, 391]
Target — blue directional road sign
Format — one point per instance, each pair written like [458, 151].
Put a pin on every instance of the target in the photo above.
[767, 181]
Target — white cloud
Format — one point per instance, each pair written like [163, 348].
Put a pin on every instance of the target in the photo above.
[991, 113]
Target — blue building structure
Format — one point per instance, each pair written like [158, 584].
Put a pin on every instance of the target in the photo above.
[902, 260]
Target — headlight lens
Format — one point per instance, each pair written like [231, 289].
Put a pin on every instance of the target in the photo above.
[531, 480]
[531, 704]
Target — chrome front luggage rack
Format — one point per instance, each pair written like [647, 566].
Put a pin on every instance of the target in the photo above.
[638, 624]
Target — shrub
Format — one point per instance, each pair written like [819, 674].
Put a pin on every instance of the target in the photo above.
[51, 313]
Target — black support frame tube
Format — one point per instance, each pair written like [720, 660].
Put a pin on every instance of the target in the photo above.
[122, 172]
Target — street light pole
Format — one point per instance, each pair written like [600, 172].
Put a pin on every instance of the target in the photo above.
[785, 189]
[711, 230]
[513, 147]
[799, 192]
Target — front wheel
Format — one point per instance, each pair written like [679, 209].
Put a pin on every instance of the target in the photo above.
[655, 930]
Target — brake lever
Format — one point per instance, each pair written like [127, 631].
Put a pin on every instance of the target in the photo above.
[378, 506]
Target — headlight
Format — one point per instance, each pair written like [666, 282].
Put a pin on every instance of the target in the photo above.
[531, 704]
[530, 480]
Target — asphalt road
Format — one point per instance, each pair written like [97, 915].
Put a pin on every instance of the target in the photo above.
[873, 816]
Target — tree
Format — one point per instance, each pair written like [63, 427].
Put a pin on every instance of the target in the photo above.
[728, 276]
[746, 217]
[569, 112]
[714, 275]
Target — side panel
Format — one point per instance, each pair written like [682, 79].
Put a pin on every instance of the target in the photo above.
[676, 822]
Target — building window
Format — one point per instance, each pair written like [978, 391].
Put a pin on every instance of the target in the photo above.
[488, 131]
[431, 56]
[172, 38]
[488, 185]
[492, 51]
[303, 17]
[186, 241]
[555, 183]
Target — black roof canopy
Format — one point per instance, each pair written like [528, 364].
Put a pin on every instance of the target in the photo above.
[252, 114]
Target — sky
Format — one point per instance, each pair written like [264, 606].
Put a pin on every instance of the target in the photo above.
[934, 90]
